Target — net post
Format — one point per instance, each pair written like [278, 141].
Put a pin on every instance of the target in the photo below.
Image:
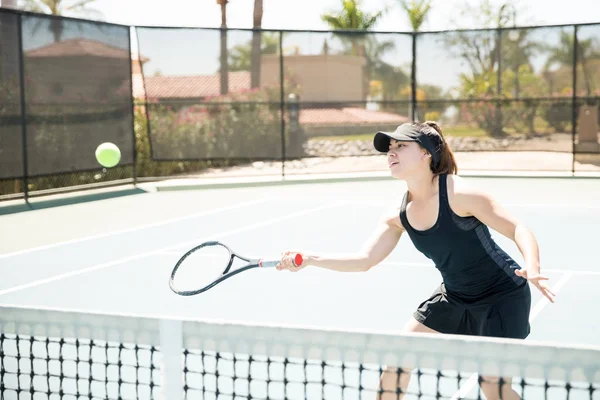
[171, 348]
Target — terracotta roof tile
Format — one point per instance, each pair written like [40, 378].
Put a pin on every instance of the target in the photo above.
[347, 115]
[166, 87]
[79, 47]
[322, 116]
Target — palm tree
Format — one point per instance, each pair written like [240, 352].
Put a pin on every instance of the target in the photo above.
[392, 77]
[224, 68]
[563, 54]
[59, 7]
[351, 17]
[416, 12]
[256, 44]
[240, 56]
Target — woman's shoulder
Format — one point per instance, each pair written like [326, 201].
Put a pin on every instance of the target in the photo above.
[464, 194]
[391, 216]
[462, 186]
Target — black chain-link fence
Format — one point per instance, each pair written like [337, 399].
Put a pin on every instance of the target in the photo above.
[212, 102]
[65, 87]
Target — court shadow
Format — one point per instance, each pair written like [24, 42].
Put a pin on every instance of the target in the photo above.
[65, 200]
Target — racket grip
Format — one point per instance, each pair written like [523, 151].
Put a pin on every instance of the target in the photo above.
[298, 259]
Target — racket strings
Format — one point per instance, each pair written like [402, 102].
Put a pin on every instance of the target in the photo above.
[202, 266]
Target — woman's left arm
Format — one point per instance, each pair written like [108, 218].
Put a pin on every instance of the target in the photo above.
[486, 209]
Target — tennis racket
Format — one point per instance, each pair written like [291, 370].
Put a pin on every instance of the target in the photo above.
[209, 264]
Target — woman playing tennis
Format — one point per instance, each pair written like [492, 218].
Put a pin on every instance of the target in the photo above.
[484, 291]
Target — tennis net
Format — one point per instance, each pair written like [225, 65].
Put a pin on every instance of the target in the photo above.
[51, 354]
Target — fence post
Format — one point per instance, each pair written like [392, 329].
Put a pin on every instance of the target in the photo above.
[498, 128]
[574, 102]
[413, 79]
[282, 103]
[133, 135]
[23, 109]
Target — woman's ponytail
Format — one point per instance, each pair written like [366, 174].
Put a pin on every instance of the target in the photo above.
[447, 164]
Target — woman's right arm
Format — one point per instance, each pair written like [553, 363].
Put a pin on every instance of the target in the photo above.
[376, 249]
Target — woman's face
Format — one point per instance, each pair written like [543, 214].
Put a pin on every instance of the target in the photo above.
[405, 158]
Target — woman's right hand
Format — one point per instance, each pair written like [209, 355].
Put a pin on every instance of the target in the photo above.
[287, 261]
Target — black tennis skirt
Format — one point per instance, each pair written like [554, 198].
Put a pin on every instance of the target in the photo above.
[504, 315]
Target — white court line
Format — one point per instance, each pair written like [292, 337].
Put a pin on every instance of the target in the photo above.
[544, 301]
[537, 309]
[367, 203]
[430, 265]
[158, 251]
[137, 228]
[557, 205]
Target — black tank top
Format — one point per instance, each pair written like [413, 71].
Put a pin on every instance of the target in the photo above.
[471, 263]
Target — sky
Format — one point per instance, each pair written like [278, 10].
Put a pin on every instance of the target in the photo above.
[193, 52]
[306, 14]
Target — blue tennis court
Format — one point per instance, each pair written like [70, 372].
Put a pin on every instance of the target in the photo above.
[115, 255]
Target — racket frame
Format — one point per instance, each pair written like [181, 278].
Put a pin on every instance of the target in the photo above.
[250, 264]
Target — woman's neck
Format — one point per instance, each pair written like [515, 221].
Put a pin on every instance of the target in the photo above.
[422, 186]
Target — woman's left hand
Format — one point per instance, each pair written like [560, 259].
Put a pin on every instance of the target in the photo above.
[538, 281]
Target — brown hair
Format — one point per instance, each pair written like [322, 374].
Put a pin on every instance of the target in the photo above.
[447, 164]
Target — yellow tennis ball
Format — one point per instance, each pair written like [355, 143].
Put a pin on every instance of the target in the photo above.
[108, 155]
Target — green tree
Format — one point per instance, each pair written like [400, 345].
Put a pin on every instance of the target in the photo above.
[352, 17]
[480, 49]
[416, 11]
[241, 58]
[563, 55]
[392, 78]
[488, 54]
[522, 113]
[518, 49]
